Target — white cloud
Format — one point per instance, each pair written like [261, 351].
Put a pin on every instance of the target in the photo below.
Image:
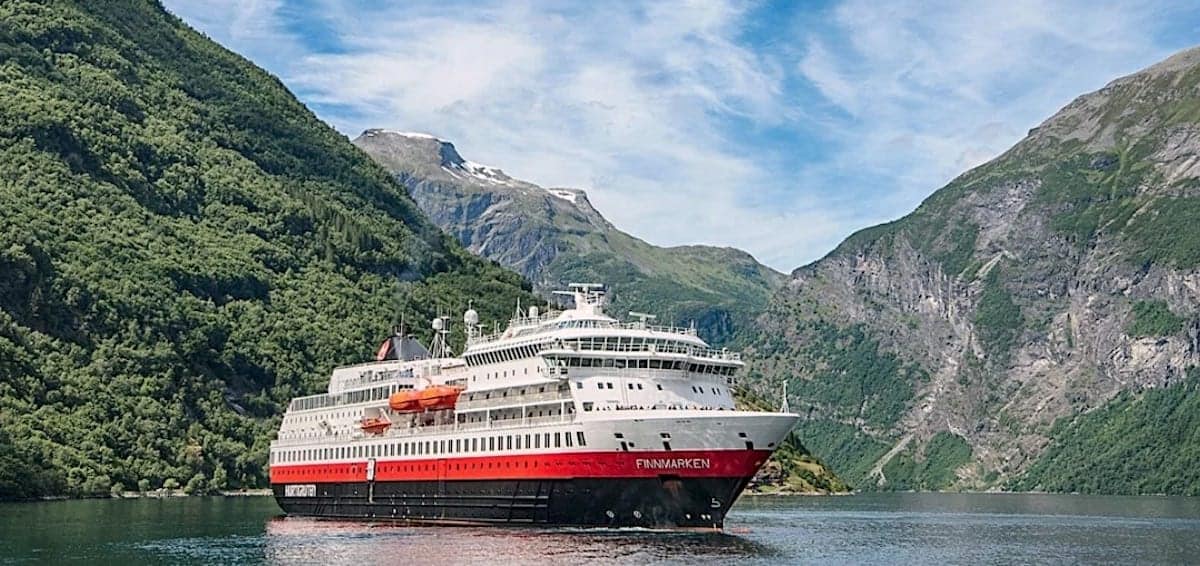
[672, 114]
[932, 89]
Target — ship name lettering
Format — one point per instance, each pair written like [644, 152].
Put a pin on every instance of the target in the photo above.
[673, 463]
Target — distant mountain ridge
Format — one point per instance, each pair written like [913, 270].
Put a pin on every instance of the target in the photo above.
[1005, 334]
[555, 236]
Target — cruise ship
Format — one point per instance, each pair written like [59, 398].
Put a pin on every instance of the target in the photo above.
[565, 418]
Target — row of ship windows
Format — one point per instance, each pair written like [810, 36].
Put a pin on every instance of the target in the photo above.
[508, 355]
[347, 398]
[630, 385]
[433, 447]
[609, 343]
[389, 468]
[497, 375]
[630, 344]
[649, 364]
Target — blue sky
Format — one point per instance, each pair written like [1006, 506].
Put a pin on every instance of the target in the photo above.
[776, 127]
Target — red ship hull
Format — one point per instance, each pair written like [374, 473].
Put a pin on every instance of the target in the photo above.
[661, 489]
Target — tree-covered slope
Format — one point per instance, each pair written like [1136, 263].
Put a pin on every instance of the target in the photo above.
[555, 237]
[939, 350]
[183, 248]
[1140, 442]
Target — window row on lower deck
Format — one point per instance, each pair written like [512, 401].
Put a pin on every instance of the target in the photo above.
[617, 363]
[489, 443]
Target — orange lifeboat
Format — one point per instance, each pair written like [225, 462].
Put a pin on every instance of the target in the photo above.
[405, 401]
[439, 397]
[375, 425]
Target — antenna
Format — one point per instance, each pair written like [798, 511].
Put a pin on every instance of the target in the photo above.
[785, 408]
[441, 328]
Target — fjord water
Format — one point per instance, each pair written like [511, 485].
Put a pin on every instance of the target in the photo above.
[876, 528]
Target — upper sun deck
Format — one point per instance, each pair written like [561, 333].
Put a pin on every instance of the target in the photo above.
[586, 318]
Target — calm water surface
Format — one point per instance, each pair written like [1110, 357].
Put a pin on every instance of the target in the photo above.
[886, 528]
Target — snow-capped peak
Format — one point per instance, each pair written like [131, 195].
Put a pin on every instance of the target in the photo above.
[419, 135]
[564, 194]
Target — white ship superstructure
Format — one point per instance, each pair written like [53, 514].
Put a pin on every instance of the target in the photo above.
[565, 417]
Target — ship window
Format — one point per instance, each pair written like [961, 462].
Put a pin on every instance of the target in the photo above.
[639, 386]
[547, 439]
[579, 437]
[491, 443]
[537, 441]
[518, 441]
[655, 364]
[474, 445]
[508, 442]
[558, 440]
[578, 385]
[567, 437]
[599, 385]
[610, 385]
[659, 385]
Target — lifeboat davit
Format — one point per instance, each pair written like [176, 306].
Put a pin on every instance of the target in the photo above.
[375, 425]
[405, 401]
[439, 397]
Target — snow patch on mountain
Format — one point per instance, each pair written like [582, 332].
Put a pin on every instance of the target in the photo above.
[564, 194]
[418, 135]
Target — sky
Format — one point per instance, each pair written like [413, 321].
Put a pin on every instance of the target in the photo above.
[776, 127]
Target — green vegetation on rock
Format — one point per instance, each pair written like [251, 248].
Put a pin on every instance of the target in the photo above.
[1154, 318]
[1144, 442]
[183, 248]
[849, 451]
[943, 455]
[997, 319]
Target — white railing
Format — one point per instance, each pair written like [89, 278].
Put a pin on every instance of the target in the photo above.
[527, 326]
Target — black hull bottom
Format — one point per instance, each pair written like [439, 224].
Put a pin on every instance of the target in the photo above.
[665, 502]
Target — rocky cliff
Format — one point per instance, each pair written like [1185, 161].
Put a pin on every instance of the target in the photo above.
[956, 346]
[555, 236]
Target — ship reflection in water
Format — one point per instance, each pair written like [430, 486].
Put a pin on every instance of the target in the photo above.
[295, 540]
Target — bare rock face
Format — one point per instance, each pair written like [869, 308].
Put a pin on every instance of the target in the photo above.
[1035, 287]
[554, 236]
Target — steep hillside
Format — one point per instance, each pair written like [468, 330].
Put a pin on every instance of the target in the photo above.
[1054, 284]
[183, 247]
[554, 236]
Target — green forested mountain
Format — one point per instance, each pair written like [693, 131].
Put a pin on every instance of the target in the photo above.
[1030, 325]
[183, 247]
